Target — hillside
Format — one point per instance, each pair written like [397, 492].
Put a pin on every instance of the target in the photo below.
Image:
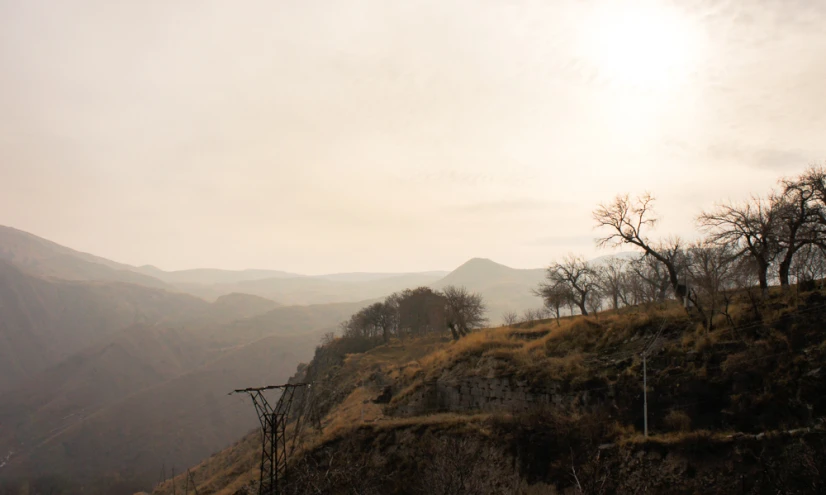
[176, 422]
[365, 276]
[523, 408]
[242, 305]
[45, 321]
[48, 259]
[87, 418]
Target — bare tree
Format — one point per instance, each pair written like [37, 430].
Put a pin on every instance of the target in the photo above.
[574, 277]
[510, 318]
[809, 265]
[750, 228]
[798, 222]
[652, 277]
[633, 286]
[555, 296]
[465, 310]
[711, 274]
[527, 316]
[815, 178]
[629, 221]
[594, 301]
[612, 277]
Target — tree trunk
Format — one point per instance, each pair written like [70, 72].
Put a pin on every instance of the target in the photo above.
[785, 268]
[581, 304]
[783, 272]
[763, 277]
[452, 328]
[674, 278]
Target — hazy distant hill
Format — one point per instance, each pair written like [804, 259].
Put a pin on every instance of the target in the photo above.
[44, 321]
[210, 276]
[315, 290]
[46, 258]
[242, 305]
[503, 288]
[366, 277]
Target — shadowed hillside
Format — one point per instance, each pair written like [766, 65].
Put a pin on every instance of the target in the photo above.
[242, 305]
[176, 422]
[44, 321]
[152, 393]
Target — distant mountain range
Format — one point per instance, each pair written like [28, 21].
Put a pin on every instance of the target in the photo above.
[44, 258]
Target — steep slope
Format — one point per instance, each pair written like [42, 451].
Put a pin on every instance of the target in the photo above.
[503, 288]
[155, 393]
[44, 321]
[177, 421]
[46, 258]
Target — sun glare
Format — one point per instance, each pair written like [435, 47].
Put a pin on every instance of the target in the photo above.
[643, 45]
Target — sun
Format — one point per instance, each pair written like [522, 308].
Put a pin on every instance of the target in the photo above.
[647, 46]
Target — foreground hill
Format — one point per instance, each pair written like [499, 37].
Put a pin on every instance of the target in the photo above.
[557, 407]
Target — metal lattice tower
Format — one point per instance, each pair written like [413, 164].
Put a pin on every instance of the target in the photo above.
[273, 435]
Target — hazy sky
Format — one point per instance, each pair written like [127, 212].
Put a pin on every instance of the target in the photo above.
[376, 135]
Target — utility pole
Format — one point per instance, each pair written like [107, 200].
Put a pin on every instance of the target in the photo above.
[648, 347]
[273, 477]
[645, 395]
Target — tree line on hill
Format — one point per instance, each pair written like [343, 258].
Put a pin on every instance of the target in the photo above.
[416, 312]
[778, 238]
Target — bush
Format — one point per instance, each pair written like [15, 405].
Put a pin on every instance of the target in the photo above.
[678, 421]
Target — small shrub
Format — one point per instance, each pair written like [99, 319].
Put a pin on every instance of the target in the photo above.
[678, 421]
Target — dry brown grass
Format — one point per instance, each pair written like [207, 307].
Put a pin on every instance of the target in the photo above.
[673, 438]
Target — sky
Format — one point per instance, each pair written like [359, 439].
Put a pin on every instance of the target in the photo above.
[367, 135]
